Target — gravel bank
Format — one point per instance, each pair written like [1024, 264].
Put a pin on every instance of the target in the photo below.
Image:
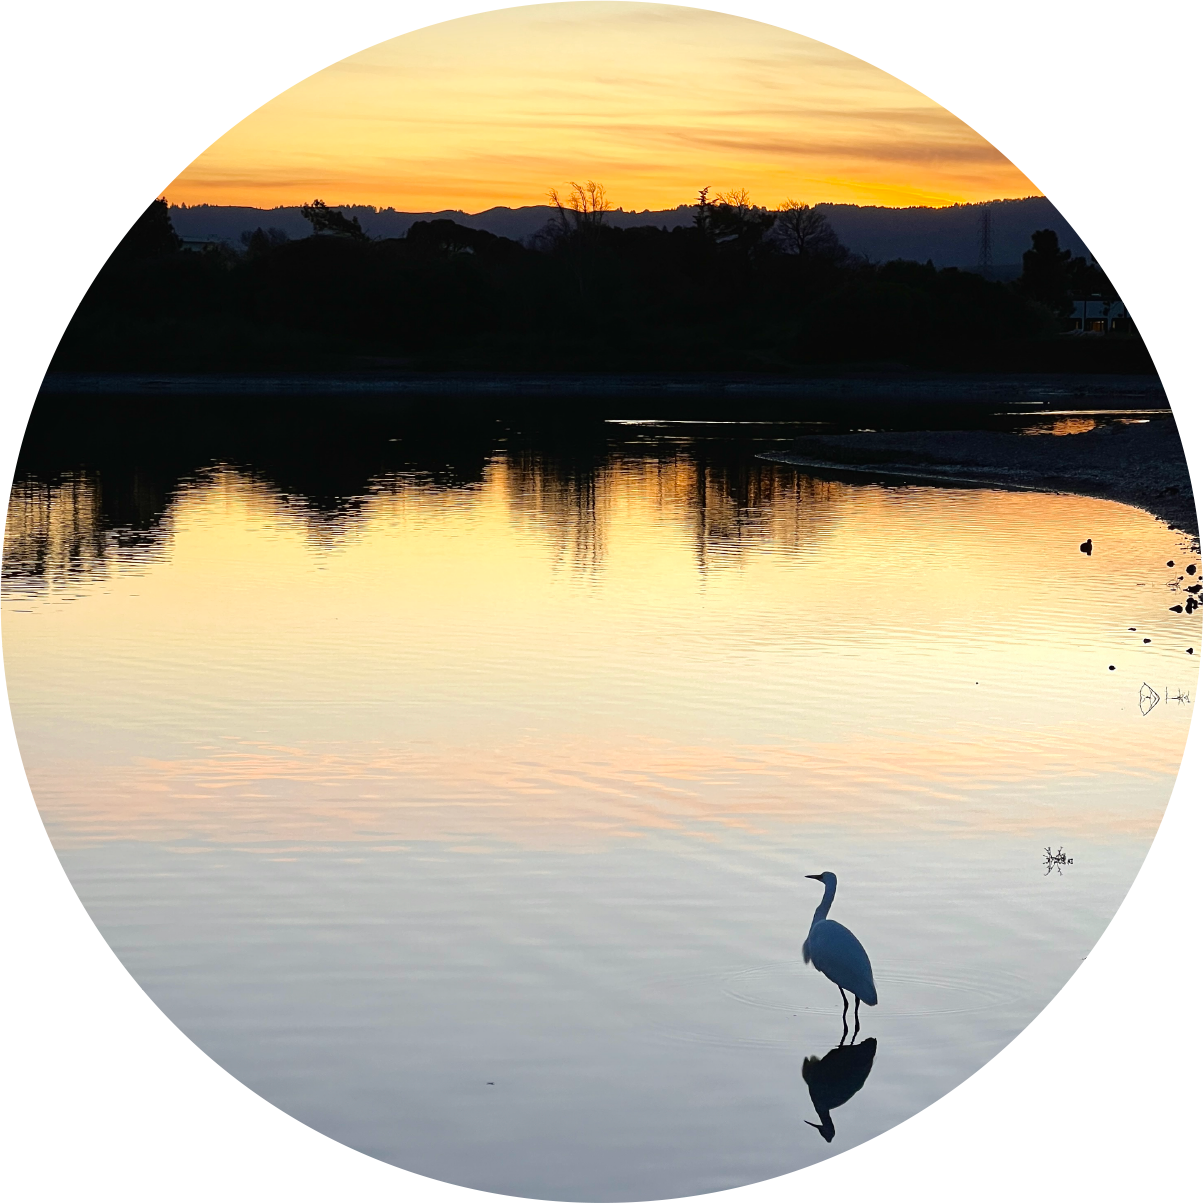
[1140, 464]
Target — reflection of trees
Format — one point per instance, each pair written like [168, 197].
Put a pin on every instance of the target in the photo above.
[53, 533]
[67, 530]
[566, 497]
[730, 501]
[733, 502]
[567, 487]
[96, 481]
[327, 477]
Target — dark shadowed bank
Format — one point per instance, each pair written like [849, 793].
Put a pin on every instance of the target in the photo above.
[1140, 464]
[745, 395]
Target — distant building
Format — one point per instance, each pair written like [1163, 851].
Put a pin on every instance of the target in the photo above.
[199, 244]
[1095, 316]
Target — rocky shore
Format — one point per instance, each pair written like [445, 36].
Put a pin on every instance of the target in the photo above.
[1140, 464]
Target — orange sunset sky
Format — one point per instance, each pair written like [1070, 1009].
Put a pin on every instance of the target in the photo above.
[651, 100]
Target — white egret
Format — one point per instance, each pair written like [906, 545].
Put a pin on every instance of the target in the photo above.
[838, 954]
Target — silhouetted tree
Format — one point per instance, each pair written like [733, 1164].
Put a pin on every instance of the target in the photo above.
[803, 230]
[331, 221]
[152, 236]
[1087, 279]
[259, 241]
[443, 237]
[734, 223]
[1046, 273]
[736, 203]
[583, 210]
[577, 227]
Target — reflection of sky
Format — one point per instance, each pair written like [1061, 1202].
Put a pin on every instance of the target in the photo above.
[468, 824]
[553, 663]
[653, 101]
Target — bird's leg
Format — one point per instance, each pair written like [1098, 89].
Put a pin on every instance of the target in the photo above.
[856, 1016]
[845, 998]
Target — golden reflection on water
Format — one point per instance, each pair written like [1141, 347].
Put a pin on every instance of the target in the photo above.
[546, 796]
[556, 657]
[1062, 426]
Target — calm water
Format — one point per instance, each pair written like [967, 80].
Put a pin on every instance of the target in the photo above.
[462, 807]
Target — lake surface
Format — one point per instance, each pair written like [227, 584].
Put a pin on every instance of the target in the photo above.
[459, 800]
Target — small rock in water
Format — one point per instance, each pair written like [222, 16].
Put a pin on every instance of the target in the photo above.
[1131, 628]
[1175, 609]
[1169, 563]
[1148, 641]
[1087, 547]
[1191, 570]
[1190, 651]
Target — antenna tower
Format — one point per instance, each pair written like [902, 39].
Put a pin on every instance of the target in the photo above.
[985, 240]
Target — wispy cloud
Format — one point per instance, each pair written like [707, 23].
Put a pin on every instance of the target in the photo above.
[491, 109]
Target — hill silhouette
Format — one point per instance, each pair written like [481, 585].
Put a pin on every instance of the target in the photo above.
[948, 236]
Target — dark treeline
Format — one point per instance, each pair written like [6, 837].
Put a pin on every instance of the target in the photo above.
[742, 289]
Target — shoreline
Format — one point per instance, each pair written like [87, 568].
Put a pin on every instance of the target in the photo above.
[865, 386]
[1141, 465]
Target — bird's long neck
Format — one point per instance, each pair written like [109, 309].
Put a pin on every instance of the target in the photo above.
[824, 906]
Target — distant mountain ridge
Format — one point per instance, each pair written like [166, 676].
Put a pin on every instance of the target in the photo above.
[949, 236]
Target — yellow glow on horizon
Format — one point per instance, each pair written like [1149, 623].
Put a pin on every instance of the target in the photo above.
[653, 101]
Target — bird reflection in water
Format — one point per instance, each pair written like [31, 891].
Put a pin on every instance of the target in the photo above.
[832, 1080]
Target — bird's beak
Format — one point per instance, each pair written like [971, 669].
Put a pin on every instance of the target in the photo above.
[815, 876]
